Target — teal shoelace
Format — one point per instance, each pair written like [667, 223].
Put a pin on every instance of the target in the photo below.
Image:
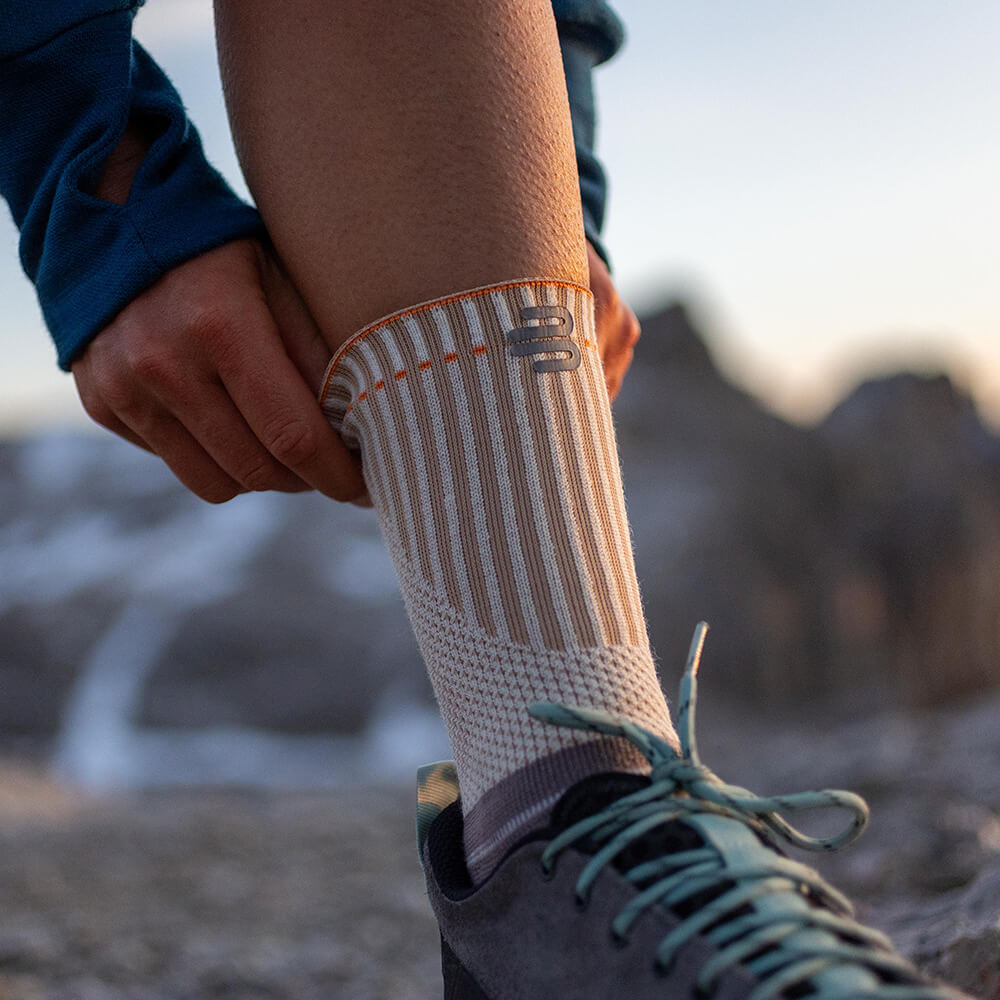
[783, 939]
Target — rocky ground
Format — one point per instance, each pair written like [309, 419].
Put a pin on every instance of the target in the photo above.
[201, 895]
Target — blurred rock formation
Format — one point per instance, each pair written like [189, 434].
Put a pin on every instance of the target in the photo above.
[858, 561]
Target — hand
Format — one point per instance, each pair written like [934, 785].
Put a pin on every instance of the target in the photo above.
[617, 327]
[216, 368]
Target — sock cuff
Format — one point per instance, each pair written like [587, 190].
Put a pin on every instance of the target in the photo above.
[495, 306]
[523, 801]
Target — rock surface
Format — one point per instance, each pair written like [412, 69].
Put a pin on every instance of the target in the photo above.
[858, 560]
[955, 937]
[209, 895]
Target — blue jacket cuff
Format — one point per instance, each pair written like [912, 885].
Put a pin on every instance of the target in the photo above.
[64, 105]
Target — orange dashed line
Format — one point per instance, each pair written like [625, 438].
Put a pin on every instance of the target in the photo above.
[437, 303]
[424, 365]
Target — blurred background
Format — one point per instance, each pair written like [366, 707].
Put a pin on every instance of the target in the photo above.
[209, 717]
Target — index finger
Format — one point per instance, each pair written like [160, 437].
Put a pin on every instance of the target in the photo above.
[281, 410]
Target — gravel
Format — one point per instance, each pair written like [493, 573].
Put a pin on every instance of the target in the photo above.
[191, 895]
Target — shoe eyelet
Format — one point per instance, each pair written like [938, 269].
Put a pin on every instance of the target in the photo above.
[661, 969]
[620, 941]
[548, 873]
[580, 904]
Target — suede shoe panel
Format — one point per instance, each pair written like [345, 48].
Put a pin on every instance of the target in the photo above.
[521, 936]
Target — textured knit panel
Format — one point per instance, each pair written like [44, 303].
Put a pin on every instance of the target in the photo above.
[486, 439]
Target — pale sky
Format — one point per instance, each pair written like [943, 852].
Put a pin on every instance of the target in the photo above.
[819, 178]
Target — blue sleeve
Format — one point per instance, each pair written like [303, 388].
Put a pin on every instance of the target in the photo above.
[589, 33]
[71, 75]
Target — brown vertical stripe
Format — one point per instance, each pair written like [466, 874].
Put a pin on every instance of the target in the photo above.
[578, 486]
[512, 426]
[383, 440]
[617, 541]
[399, 442]
[339, 395]
[546, 438]
[488, 465]
[438, 379]
[438, 482]
[595, 476]
[588, 486]
[377, 477]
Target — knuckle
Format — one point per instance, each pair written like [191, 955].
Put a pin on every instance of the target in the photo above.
[153, 368]
[293, 442]
[118, 395]
[259, 476]
[210, 324]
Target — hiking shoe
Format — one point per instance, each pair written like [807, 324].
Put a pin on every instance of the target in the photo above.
[666, 886]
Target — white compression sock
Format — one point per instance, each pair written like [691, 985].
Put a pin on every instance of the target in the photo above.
[488, 449]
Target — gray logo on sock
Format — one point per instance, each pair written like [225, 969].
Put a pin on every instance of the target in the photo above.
[540, 340]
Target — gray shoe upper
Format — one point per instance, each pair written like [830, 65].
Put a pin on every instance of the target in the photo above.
[522, 936]
[525, 934]
[666, 886]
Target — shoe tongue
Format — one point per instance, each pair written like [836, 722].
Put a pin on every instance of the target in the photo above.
[595, 793]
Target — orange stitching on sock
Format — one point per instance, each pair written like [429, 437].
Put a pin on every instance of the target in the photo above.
[424, 365]
[424, 307]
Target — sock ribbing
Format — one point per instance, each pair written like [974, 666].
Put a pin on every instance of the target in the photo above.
[489, 453]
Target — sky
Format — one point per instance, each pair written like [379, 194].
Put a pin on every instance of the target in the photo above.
[818, 180]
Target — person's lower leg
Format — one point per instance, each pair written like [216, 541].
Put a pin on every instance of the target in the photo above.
[425, 156]
[400, 152]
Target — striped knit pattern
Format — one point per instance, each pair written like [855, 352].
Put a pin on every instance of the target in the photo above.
[490, 457]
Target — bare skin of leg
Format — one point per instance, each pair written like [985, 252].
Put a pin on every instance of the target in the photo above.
[403, 152]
